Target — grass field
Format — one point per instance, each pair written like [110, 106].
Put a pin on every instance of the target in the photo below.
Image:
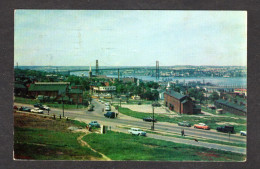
[52, 105]
[47, 139]
[209, 120]
[120, 146]
[43, 138]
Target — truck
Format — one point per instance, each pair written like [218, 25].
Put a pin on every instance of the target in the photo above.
[226, 129]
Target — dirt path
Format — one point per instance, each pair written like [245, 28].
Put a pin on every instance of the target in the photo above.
[83, 143]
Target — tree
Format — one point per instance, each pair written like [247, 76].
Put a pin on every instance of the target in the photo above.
[214, 96]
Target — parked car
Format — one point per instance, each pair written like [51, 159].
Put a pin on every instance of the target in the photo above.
[201, 126]
[184, 123]
[139, 103]
[38, 105]
[90, 108]
[107, 108]
[137, 131]
[94, 124]
[46, 107]
[156, 104]
[149, 119]
[107, 104]
[110, 114]
[226, 129]
[37, 110]
[15, 107]
[243, 133]
[25, 109]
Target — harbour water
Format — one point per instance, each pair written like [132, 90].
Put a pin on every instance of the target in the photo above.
[239, 82]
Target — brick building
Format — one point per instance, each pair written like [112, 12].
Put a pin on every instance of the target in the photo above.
[50, 89]
[179, 103]
[229, 107]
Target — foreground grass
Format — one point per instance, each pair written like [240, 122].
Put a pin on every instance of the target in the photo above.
[52, 105]
[41, 138]
[211, 121]
[121, 146]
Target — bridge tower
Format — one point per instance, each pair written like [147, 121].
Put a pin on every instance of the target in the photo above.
[97, 69]
[157, 73]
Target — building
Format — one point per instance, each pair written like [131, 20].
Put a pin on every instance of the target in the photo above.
[104, 89]
[177, 102]
[129, 79]
[76, 95]
[241, 91]
[229, 107]
[51, 89]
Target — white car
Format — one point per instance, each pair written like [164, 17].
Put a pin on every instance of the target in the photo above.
[107, 108]
[46, 107]
[243, 133]
[107, 104]
[37, 110]
[137, 131]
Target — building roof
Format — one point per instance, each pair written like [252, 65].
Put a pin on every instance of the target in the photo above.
[233, 105]
[175, 94]
[75, 91]
[47, 87]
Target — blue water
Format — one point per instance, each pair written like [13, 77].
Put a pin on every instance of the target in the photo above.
[219, 81]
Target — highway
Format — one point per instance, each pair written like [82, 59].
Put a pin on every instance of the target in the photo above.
[160, 127]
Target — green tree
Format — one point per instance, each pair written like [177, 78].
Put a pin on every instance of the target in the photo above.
[214, 96]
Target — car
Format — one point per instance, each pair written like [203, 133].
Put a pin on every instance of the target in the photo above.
[156, 104]
[107, 104]
[46, 108]
[107, 108]
[90, 108]
[226, 129]
[139, 103]
[94, 124]
[184, 123]
[243, 133]
[25, 109]
[37, 110]
[137, 131]
[201, 126]
[149, 119]
[15, 107]
[38, 105]
[110, 114]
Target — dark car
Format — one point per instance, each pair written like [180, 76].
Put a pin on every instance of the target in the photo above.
[25, 109]
[15, 107]
[226, 129]
[149, 119]
[110, 114]
[38, 105]
[184, 123]
[156, 104]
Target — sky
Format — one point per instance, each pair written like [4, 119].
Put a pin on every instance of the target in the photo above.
[130, 37]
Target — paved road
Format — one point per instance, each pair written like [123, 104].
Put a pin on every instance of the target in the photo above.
[97, 114]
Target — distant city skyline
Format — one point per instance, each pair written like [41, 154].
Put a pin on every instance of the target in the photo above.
[130, 38]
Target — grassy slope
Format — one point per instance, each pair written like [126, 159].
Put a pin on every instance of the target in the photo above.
[47, 139]
[211, 121]
[120, 146]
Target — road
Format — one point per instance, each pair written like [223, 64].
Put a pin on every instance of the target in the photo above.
[164, 127]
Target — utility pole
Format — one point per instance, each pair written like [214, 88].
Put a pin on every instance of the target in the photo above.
[62, 106]
[153, 118]
[118, 74]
